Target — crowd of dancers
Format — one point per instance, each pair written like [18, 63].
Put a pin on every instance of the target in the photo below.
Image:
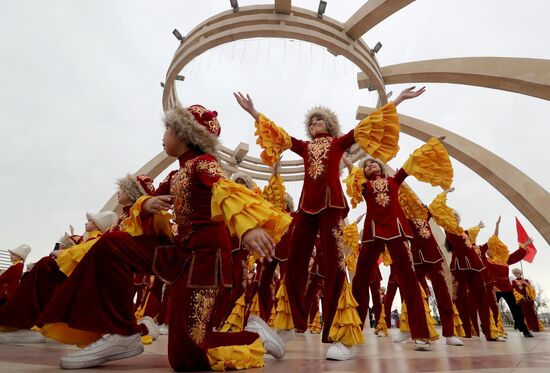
[230, 271]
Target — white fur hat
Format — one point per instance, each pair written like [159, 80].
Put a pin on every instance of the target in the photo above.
[250, 184]
[21, 251]
[103, 220]
[329, 116]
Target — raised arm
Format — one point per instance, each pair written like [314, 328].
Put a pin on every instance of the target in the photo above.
[247, 104]
[496, 227]
[408, 93]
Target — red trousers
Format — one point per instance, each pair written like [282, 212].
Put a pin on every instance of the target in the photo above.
[240, 272]
[314, 288]
[97, 298]
[441, 292]
[528, 308]
[403, 268]
[470, 281]
[306, 227]
[33, 294]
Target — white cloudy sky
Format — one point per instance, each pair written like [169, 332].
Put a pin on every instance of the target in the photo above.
[80, 100]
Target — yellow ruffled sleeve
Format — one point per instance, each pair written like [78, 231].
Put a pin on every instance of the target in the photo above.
[473, 232]
[443, 214]
[242, 210]
[430, 163]
[354, 185]
[69, 258]
[350, 239]
[273, 139]
[498, 250]
[531, 292]
[160, 224]
[378, 134]
[274, 192]
[411, 204]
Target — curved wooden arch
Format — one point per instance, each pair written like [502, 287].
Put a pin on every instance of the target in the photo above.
[528, 76]
[523, 192]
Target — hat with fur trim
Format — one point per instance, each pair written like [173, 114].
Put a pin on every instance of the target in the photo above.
[21, 251]
[329, 116]
[289, 202]
[136, 186]
[250, 184]
[103, 220]
[195, 125]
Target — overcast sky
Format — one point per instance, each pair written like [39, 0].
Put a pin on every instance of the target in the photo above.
[80, 100]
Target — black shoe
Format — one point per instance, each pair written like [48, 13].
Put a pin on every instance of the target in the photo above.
[527, 334]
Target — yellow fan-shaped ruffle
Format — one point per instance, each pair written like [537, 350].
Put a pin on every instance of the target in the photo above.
[255, 306]
[273, 139]
[411, 204]
[530, 292]
[457, 324]
[518, 296]
[283, 316]
[242, 210]
[495, 333]
[444, 215]
[314, 325]
[274, 192]
[346, 325]
[429, 319]
[500, 325]
[386, 258]
[235, 320]
[381, 326]
[430, 163]
[271, 321]
[237, 357]
[473, 232]
[354, 185]
[541, 325]
[378, 134]
[498, 251]
[69, 258]
[404, 319]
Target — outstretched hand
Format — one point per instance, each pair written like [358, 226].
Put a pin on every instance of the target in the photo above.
[408, 94]
[156, 205]
[481, 225]
[247, 104]
[257, 240]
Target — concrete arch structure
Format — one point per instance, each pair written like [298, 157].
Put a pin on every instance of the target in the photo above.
[527, 76]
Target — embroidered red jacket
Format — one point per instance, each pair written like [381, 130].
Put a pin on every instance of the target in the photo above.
[207, 242]
[424, 247]
[521, 287]
[9, 280]
[322, 187]
[501, 273]
[464, 256]
[385, 218]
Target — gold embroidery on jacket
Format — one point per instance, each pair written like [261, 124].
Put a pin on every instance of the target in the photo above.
[181, 190]
[422, 227]
[381, 189]
[203, 301]
[318, 153]
[212, 168]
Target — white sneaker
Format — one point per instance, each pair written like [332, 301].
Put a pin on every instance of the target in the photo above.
[107, 348]
[422, 345]
[454, 341]
[401, 337]
[22, 336]
[339, 351]
[163, 329]
[151, 325]
[273, 344]
[286, 335]
[499, 339]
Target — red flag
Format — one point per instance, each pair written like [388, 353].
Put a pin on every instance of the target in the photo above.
[522, 237]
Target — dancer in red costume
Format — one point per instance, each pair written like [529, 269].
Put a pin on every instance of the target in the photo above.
[95, 303]
[386, 226]
[524, 294]
[9, 280]
[322, 203]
